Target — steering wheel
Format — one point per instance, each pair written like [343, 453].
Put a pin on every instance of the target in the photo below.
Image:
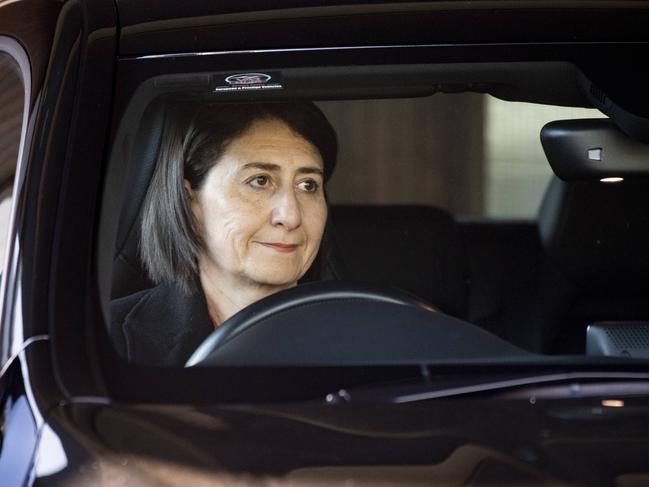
[339, 323]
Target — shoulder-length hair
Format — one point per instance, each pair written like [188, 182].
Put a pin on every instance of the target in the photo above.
[194, 138]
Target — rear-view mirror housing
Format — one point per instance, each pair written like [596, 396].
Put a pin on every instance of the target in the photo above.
[590, 149]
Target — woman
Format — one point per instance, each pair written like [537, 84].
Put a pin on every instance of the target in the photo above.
[235, 211]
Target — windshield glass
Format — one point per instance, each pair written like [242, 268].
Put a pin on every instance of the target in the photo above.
[261, 227]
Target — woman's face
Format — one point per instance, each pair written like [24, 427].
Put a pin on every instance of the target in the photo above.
[261, 209]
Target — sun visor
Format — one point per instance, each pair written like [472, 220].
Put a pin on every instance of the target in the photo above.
[593, 149]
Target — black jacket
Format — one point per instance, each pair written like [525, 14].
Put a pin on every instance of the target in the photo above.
[159, 326]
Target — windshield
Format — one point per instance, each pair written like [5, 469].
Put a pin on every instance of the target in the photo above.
[425, 225]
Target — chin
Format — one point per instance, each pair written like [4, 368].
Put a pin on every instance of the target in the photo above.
[275, 279]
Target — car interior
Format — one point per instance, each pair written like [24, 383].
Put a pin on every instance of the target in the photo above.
[536, 283]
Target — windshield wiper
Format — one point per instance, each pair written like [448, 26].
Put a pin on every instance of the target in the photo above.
[512, 385]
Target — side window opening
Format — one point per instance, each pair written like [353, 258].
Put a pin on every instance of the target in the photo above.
[14, 96]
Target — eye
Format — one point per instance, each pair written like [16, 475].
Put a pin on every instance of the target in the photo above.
[258, 181]
[308, 186]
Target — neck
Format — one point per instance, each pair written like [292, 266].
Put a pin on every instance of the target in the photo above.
[225, 297]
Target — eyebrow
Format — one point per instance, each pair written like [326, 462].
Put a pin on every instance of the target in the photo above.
[268, 166]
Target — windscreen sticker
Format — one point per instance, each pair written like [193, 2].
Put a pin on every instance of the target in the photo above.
[249, 81]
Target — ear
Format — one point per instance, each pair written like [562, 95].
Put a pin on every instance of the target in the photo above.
[193, 205]
[188, 190]
[192, 198]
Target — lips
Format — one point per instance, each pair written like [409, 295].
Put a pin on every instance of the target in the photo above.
[280, 247]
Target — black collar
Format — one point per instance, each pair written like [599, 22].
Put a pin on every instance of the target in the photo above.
[165, 326]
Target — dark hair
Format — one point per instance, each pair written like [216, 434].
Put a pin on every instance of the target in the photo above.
[193, 139]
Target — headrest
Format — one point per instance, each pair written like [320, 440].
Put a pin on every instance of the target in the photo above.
[416, 248]
[128, 274]
[598, 233]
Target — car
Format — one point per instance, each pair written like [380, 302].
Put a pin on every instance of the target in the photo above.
[483, 317]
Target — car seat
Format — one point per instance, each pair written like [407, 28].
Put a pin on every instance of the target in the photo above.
[596, 236]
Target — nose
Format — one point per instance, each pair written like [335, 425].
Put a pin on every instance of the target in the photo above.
[286, 211]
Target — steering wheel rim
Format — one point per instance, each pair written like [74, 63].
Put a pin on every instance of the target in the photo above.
[304, 294]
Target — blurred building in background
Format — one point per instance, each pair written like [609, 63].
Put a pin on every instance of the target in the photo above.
[472, 154]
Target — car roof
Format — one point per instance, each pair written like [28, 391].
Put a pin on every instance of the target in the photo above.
[150, 27]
